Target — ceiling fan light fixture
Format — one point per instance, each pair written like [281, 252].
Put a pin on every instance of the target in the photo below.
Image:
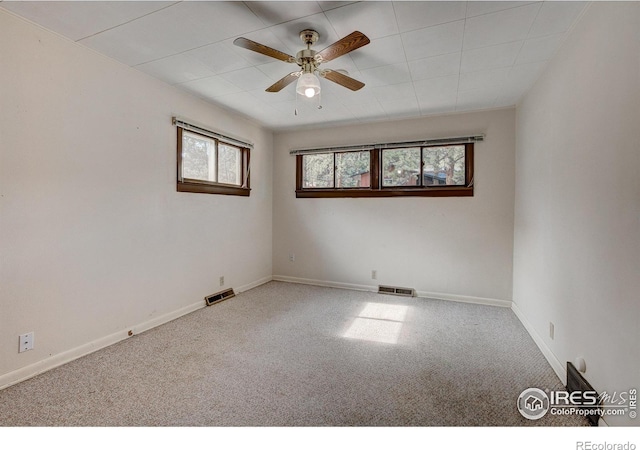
[308, 85]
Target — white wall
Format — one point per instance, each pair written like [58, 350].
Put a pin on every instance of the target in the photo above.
[445, 247]
[577, 222]
[94, 238]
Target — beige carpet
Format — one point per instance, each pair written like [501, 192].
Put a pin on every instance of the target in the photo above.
[294, 355]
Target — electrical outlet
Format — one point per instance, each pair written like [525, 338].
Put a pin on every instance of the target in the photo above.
[292, 257]
[374, 274]
[26, 342]
[221, 281]
[552, 330]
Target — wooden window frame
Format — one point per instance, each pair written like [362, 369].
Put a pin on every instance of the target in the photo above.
[335, 173]
[210, 187]
[377, 190]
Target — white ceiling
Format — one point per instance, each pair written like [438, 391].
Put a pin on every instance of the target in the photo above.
[425, 57]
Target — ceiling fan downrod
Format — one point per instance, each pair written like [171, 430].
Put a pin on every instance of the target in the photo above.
[307, 58]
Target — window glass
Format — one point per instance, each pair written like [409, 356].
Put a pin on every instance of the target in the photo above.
[444, 165]
[400, 167]
[229, 164]
[317, 171]
[353, 169]
[198, 157]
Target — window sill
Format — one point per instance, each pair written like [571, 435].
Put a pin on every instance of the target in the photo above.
[458, 191]
[213, 189]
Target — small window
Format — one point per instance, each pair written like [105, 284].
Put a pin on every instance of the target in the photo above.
[229, 165]
[198, 158]
[426, 171]
[208, 165]
[352, 169]
[443, 166]
[318, 171]
[401, 167]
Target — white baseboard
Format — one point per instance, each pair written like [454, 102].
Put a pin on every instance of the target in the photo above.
[255, 284]
[369, 288]
[59, 359]
[465, 299]
[557, 367]
[333, 284]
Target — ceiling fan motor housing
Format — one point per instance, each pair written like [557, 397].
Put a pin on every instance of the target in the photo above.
[306, 58]
[309, 37]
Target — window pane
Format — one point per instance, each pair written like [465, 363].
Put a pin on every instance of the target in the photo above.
[400, 167]
[444, 165]
[229, 164]
[317, 171]
[198, 157]
[353, 169]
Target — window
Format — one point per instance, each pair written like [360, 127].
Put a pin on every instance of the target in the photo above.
[423, 170]
[336, 170]
[318, 171]
[209, 165]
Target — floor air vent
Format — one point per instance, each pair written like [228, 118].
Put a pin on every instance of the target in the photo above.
[576, 382]
[393, 290]
[215, 298]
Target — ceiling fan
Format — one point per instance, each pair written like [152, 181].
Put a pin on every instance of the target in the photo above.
[309, 61]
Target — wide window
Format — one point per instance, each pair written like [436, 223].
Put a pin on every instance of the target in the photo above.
[425, 170]
[336, 170]
[210, 165]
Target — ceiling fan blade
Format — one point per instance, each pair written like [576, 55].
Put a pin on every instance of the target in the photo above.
[263, 49]
[345, 45]
[284, 81]
[343, 80]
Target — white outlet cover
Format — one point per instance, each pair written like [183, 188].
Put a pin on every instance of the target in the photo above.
[26, 342]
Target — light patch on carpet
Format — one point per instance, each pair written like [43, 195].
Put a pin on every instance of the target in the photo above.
[378, 322]
[374, 330]
[384, 312]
